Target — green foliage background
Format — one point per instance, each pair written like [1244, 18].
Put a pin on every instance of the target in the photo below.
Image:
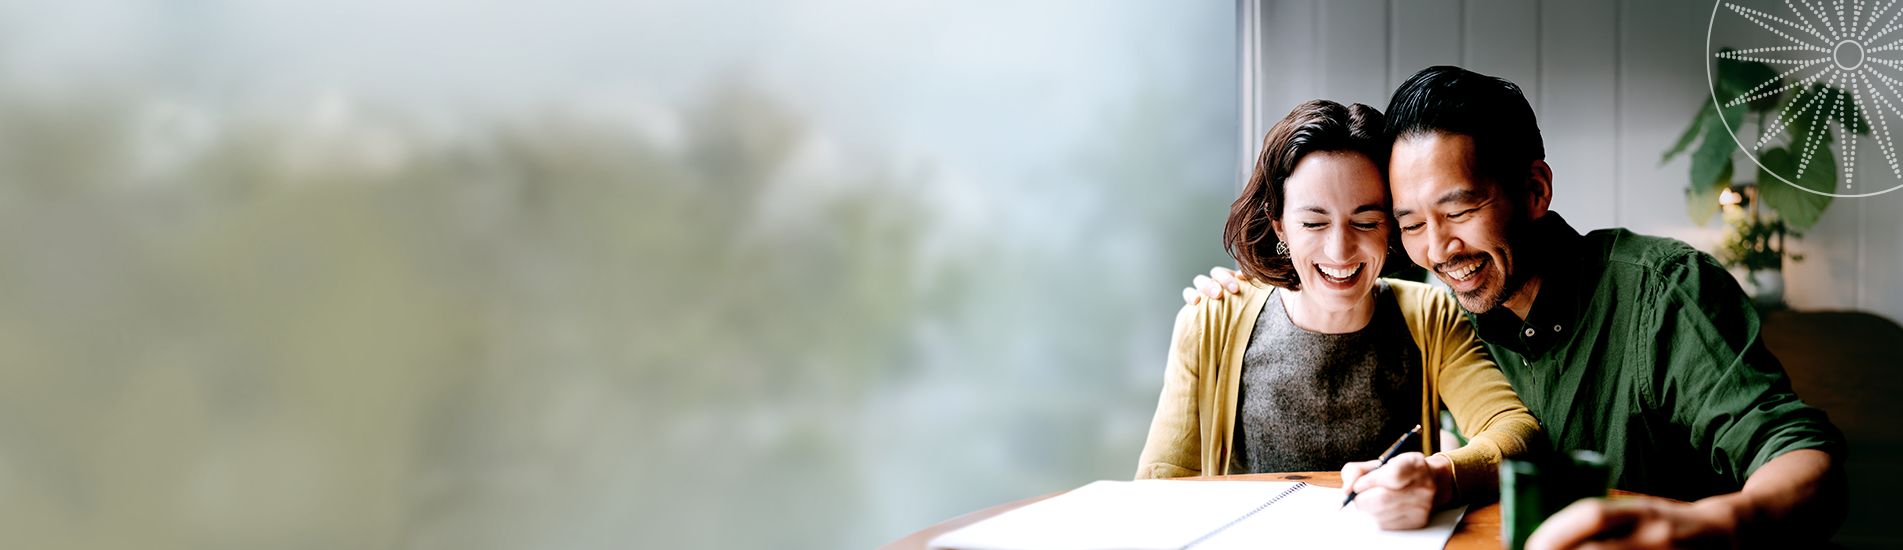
[1790, 114]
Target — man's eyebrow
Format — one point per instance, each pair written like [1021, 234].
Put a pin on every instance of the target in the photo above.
[1460, 195]
[1457, 195]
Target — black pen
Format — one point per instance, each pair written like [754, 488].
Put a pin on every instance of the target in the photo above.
[1406, 441]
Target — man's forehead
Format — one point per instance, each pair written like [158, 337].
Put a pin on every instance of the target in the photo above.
[1448, 148]
[1434, 168]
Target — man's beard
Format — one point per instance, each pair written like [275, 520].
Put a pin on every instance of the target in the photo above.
[1517, 236]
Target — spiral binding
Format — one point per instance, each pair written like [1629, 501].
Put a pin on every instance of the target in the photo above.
[1291, 490]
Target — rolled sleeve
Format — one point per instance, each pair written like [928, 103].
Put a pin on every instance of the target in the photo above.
[1723, 386]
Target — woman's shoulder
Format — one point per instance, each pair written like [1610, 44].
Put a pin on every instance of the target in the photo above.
[1404, 285]
[1219, 315]
[1424, 299]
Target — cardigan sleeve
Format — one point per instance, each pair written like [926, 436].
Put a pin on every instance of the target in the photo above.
[1174, 446]
[1497, 424]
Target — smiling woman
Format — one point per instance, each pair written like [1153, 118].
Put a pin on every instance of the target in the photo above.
[1330, 363]
[1337, 234]
[1316, 126]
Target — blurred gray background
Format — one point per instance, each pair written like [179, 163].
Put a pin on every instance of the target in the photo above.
[583, 274]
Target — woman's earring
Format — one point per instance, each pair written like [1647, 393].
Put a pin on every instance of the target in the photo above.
[1281, 248]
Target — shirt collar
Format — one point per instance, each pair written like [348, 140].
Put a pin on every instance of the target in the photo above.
[1553, 252]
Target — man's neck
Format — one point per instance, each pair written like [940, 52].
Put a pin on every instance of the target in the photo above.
[1521, 303]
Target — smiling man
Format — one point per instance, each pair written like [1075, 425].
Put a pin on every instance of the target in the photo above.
[1641, 348]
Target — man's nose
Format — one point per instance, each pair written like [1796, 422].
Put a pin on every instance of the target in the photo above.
[1442, 245]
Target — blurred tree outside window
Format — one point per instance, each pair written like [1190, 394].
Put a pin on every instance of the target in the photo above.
[586, 274]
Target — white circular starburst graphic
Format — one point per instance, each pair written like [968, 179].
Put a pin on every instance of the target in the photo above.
[1832, 61]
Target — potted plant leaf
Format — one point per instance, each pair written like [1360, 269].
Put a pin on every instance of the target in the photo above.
[1752, 101]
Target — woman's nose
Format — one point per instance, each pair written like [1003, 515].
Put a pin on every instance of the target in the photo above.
[1340, 244]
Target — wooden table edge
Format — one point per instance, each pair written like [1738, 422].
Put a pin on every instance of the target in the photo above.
[923, 538]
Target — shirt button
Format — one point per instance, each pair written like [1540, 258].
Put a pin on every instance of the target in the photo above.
[1529, 331]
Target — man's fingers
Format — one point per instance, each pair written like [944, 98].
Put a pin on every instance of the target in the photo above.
[1213, 285]
[1208, 287]
[1192, 297]
[1227, 278]
[1577, 524]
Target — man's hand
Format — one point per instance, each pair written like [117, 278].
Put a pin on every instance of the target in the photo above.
[1213, 285]
[1402, 494]
[1796, 499]
[1639, 522]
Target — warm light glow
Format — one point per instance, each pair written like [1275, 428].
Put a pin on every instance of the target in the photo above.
[1728, 198]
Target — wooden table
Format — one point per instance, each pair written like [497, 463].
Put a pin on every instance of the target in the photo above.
[1478, 530]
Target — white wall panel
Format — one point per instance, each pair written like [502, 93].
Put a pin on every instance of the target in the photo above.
[1291, 29]
[1579, 83]
[1660, 88]
[1426, 33]
[1503, 40]
[1354, 42]
[1614, 82]
[1882, 253]
[1827, 278]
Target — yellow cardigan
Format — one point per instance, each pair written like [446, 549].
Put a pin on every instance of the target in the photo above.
[1195, 418]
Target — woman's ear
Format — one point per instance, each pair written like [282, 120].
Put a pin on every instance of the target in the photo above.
[1276, 226]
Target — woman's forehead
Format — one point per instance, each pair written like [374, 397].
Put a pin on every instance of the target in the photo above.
[1331, 181]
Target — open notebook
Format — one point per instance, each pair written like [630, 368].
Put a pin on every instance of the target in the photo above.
[1200, 515]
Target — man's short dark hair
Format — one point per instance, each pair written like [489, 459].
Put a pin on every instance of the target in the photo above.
[1491, 110]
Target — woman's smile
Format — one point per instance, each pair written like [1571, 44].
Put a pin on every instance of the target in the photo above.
[1344, 276]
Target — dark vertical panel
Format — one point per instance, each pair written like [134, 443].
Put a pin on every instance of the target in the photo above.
[1578, 105]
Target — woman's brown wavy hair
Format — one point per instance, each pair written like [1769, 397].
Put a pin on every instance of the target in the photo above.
[1318, 125]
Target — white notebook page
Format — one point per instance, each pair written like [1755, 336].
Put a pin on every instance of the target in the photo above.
[1314, 518]
[1213, 515]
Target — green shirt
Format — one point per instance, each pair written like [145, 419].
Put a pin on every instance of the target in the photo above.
[1645, 350]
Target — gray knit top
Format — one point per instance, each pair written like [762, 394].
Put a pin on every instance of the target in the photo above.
[1313, 402]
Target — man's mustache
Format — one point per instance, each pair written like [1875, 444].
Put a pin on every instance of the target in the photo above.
[1458, 260]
